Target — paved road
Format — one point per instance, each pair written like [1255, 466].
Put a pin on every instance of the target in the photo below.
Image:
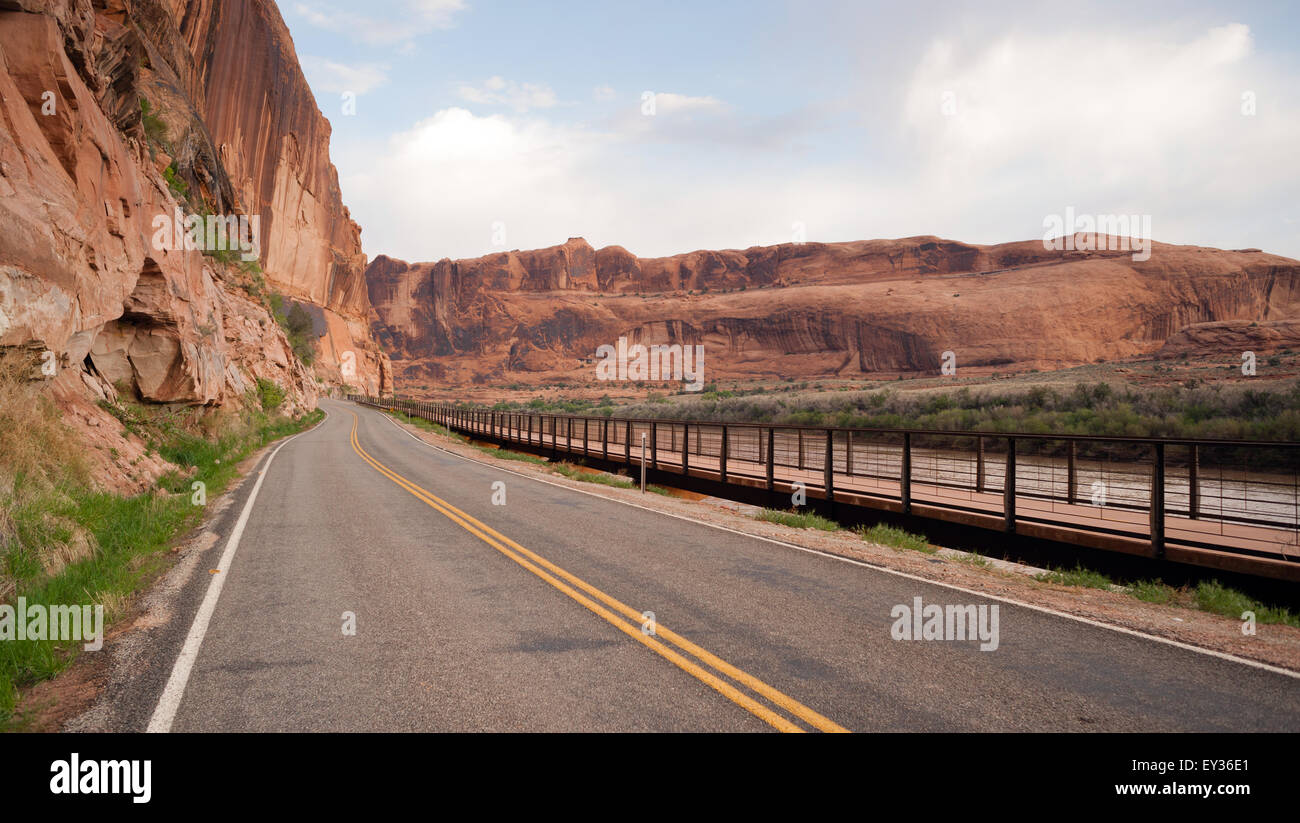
[536, 625]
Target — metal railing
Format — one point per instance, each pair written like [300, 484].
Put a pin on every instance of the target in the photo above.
[1228, 504]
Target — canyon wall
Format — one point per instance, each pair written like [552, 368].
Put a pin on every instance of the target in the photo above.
[273, 143]
[879, 307]
[115, 114]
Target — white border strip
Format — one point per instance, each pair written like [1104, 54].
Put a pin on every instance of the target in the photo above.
[1042, 609]
[170, 701]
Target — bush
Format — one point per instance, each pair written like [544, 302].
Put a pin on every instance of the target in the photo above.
[180, 189]
[155, 130]
[269, 395]
[298, 328]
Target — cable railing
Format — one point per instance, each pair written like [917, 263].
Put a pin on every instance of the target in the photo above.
[1227, 504]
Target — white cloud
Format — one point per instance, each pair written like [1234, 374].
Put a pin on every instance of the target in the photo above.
[418, 17]
[518, 96]
[1104, 121]
[327, 75]
[1107, 122]
[603, 93]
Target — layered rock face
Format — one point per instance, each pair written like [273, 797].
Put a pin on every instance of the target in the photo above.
[273, 143]
[814, 309]
[82, 185]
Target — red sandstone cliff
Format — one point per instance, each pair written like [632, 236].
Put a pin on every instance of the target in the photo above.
[273, 143]
[880, 306]
[82, 182]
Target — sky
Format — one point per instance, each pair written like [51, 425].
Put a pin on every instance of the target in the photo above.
[466, 127]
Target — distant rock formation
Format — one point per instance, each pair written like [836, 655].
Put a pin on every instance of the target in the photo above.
[812, 309]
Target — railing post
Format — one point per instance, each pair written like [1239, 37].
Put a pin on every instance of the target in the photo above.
[979, 464]
[800, 449]
[771, 461]
[848, 452]
[654, 445]
[530, 429]
[585, 439]
[722, 457]
[604, 438]
[829, 478]
[1194, 482]
[1158, 501]
[1070, 476]
[1009, 488]
[905, 475]
[686, 448]
[627, 442]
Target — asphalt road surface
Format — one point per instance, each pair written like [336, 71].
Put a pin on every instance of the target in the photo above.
[529, 616]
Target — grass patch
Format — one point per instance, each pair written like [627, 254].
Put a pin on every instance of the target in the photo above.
[1153, 591]
[1078, 576]
[615, 480]
[113, 545]
[1212, 596]
[896, 538]
[798, 519]
[507, 454]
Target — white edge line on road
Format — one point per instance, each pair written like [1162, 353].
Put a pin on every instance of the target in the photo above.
[170, 701]
[1042, 609]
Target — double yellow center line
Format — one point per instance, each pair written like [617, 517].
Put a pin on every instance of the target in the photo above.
[610, 609]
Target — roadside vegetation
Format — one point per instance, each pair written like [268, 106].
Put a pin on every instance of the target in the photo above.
[1191, 409]
[896, 538]
[798, 520]
[1206, 595]
[64, 540]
